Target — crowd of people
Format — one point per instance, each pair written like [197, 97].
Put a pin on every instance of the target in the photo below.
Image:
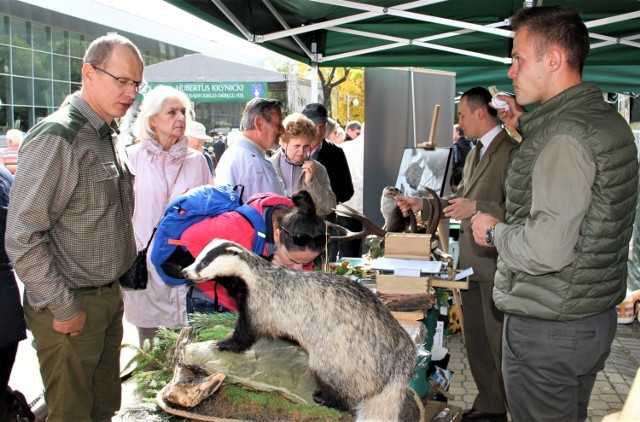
[98, 203]
[549, 258]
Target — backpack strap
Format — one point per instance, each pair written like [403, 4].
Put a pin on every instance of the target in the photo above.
[257, 221]
[240, 190]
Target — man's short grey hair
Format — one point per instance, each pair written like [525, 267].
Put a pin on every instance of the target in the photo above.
[102, 47]
[151, 106]
[258, 107]
[354, 124]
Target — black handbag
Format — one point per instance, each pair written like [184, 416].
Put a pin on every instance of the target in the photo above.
[16, 407]
[137, 276]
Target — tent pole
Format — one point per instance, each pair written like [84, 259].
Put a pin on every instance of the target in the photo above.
[413, 108]
[314, 72]
[314, 82]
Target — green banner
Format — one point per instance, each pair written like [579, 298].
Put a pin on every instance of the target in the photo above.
[219, 92]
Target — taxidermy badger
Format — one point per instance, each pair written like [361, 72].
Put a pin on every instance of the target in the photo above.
[361, 357]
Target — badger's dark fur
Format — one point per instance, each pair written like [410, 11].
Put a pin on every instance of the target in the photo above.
[362, 358]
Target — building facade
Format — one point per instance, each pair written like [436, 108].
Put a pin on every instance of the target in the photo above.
[41, 59]
[42, 43]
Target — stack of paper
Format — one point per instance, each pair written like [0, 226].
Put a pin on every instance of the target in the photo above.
[407, 267]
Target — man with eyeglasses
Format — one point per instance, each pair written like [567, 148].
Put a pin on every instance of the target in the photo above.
[70, 234]
[245, 163]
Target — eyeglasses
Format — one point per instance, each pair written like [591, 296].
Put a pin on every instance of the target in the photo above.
[124, 82]
[304, 240]
[286, 158]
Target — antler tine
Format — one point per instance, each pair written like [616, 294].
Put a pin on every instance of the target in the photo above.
[349, 235]
[338, 228]
[366, 223]
[345, 234]
[435, 212]
[367, 226]
[348, 211]
[432, 214]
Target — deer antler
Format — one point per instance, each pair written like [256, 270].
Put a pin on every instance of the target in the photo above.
[367, 226]
[435, 212]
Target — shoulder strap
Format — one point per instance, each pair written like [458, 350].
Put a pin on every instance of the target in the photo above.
[257, 221]
[151, 237]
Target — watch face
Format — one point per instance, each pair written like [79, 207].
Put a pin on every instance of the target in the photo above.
[489, 236]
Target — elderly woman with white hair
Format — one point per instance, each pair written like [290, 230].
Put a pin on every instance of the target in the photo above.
[165, 168]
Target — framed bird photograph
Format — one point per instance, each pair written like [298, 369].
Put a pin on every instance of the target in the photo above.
[423, 168]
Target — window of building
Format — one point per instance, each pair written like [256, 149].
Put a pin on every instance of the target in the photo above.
[41, 37]
[39, 66]
[42, 64]
[20, 33]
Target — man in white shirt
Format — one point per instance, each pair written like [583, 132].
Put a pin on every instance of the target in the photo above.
[354, 151]
[244, 163]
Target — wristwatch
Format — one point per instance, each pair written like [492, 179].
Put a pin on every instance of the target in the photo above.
[491, 234]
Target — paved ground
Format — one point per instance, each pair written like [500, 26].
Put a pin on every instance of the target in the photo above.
[611, 387]
[26, 375]
[609, 393]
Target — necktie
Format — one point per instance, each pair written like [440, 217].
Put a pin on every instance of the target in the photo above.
[476, 156]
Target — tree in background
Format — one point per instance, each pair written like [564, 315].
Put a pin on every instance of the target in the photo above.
[330, 78]
[337, 83]
[345, 96]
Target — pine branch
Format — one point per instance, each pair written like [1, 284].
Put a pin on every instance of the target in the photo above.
[151, 364]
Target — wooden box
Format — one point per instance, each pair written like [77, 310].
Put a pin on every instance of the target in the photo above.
[450, 284]
[389, 284]
[407, 246]
[411, 316]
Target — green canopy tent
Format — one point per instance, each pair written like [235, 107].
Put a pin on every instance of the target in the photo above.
[469, 37]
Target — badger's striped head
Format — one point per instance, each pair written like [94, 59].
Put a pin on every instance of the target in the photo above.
[220, 258]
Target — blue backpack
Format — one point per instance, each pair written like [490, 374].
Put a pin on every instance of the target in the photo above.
[168, 255]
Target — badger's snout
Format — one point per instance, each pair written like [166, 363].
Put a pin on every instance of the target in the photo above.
[191, 273]
[220, 258]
